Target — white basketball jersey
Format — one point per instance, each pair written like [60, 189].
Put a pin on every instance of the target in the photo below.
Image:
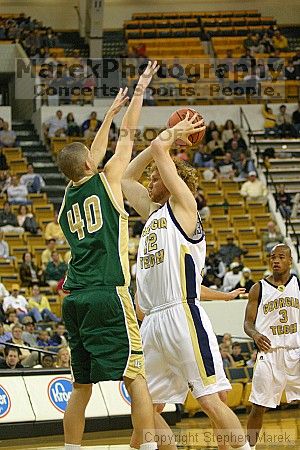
[169, 263]
[278, 315]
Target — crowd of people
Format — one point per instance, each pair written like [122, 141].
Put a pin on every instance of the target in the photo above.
[232, 354]
[282, 124]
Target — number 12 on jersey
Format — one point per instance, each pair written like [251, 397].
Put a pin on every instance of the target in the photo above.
[93, 217]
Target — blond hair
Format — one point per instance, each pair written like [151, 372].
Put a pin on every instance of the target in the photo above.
[186, 172]
[71, 160]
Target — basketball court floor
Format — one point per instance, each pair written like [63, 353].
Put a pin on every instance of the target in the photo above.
[281, 431]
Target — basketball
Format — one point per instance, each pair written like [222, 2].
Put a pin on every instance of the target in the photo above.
[178, 116]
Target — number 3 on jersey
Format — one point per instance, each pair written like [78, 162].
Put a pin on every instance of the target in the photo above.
[93, 217]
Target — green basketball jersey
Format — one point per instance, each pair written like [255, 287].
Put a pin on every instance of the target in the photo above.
[96, 229]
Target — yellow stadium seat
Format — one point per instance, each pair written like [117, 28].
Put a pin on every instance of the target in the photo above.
[191, 405]
[57, 144]
[237, 374]
[252, 246]
[256, 208]
[241, 221]
[38, 199]
[14, 239]
[220, 222]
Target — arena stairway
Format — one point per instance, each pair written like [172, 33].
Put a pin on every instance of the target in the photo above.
[37, 153]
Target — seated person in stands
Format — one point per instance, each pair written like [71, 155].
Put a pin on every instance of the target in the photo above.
[241, 143]
[270, 123]
[4, 249]
[73, 128]
[55, 270]
[244, 166]
[46, 255]
[63, 358]
[91, 126]
[290, 71]
[41, 302]
[232, 278]
[8, 220]
[227, 132]
[17, 192]
[54, 231]
[230, 251]
[4, 337]
[29, 333]
[245, 282]
[216, 145]
[30, 274]
[271, 237]
[296, 114]
[202, 158]
[226, 168]
[60, 336]
[239, 360]
[12, 359]
[4, 181]
[26, 220]
[280, 42]
[284, 121]
[27, 358]
[283, 201]
[212, 126]
[20, 305]
[253, 189]
[47, 362]
[44, 339]
[33, 181]
[7, 137]
[11, 319]
[55, 126]
[251, 362]
[3, 161]
[215, 265]
[226, 357]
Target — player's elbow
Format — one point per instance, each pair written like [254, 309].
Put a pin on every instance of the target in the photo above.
[156, 148]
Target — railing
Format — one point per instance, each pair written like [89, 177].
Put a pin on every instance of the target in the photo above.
[270, 181]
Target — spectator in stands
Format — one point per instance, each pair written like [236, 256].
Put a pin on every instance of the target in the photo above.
[212, 126]
[249, 42]
[17, 192]
[4, 249]
[91, 126]
[262, 70]
[202, 158]
[55, 270]
[55, 126]
[30, 274]
[276, 62]
[227, 341]
[296, 206]
[47, 362]
[60, 335]
[41, 302]
[226, 357]
[247, 61]
[33, 181]
[246, 281]
[4, 181]
[73, 128]
[283, 201]
[227, 132]
[271, 237]
[44, 339]
[267, 43]
[12, 359]
[270, 123]
[20, 305]
[284, 121]
[216, 145]
[50, 40]
[280, 42]
[226, 168]
[46, 255]
[290, 71]
[7, 137]
[251, 362]
[230, 251]
[8, 220]
[232, 278]
[27, 358]
[296, 118]
[26, 220]
[237, 356]
[241, 143]
[296, 57]
[3, 293]
[244, 166]
[29, 333]
[54, 231]
[3, 161]
[254, 189]
[63, 358]
[202, 207]
[215, 265]
[4, 337]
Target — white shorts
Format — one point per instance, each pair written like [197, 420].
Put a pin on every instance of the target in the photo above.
[274, 372]
[181, 353]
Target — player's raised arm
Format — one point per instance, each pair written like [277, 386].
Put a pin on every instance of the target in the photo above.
[213, 294]
[262, 342]
[99, 145]
[116, 166]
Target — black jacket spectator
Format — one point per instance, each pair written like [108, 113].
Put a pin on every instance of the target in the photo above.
[3, 162]
[7, 217]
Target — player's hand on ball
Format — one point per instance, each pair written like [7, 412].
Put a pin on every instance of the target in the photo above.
[119, 101]
[236, 293]
[186, 127]
[262, 342]
[148, 74]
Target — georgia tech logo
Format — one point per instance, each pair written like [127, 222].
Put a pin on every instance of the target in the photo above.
[5, 402]
[59, 392]
[124, 393]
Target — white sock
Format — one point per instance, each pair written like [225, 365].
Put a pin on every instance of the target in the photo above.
[149, 446]
[72, 447]
[244, 447]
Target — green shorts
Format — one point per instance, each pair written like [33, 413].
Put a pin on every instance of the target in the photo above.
[104, 335]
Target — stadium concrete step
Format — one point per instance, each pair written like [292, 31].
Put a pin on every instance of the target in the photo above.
[38, 157]
[54, 179]
[22, 126]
